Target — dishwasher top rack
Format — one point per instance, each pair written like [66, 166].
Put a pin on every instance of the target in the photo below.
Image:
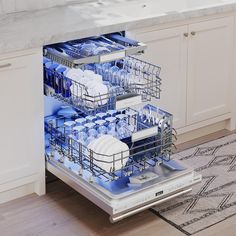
[72, 92]
[145, 152]
[77, 53]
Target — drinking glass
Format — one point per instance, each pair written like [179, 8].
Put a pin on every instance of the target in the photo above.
[111, 125]
[122, 126]
[101, 127]
[101, 115]
[91, 118]
[98, 68]
[132, 119]
[121, 77]
[68, 127]
[80, 121]
[105, 70]
[112, 113]
[80, 134]
[113, 74]
[91, 129]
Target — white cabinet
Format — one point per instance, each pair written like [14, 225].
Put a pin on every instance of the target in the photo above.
[196, 61]
[168, 48]
[210, 56]
[21, 121]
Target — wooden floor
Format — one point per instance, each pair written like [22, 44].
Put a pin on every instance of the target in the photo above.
[64, 212]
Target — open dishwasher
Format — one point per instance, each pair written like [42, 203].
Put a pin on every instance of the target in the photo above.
[102, 137]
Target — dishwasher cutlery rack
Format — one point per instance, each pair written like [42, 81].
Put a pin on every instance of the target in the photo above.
[71, 92]
[71, 54]
[143, 154]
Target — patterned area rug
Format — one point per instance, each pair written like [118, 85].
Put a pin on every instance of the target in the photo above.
[214, 199]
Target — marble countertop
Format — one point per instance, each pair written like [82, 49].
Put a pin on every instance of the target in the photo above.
[24, 30]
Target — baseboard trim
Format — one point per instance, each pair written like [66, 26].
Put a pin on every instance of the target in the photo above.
[22, 187]
[226, 117]
[203, 131]
[15, 193]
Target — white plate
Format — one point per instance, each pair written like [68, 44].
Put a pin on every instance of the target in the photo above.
[104, 146]
[100, 148]
[107, 166]
[102, 90]
[115, 147]
[93, 144]
[96, 143]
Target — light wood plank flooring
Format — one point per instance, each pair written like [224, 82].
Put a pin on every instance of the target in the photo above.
[63, 212]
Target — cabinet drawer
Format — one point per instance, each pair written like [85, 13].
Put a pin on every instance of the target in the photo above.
[17, 62]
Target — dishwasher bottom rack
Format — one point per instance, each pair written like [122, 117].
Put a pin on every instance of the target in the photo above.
[121, 199]
[148, 144]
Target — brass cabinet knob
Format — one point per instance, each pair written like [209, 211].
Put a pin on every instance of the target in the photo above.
[186, 35]
[193, 33]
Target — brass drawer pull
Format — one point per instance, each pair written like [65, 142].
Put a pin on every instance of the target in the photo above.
[193, 33]
[185, 35]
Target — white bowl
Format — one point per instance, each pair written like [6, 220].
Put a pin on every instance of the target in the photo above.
[74, 74]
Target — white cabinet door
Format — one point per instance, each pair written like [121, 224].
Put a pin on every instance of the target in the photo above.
[168, 48]
[210, 56]
[21, 119]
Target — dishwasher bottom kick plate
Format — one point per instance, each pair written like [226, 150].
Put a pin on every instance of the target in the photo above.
[168, 185]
